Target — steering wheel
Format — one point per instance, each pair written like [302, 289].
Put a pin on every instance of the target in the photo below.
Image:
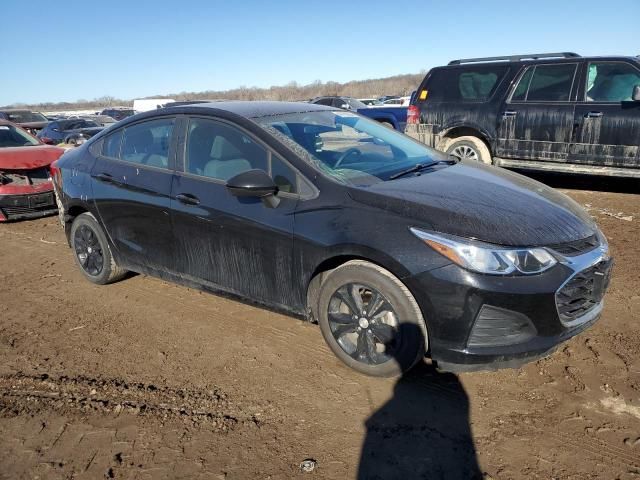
[345, 154]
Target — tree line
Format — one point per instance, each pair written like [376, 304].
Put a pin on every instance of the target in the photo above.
[292, 91]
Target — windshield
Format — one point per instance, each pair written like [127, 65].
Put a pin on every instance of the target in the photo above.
[348, 147]
[11, 136]
[26, 117]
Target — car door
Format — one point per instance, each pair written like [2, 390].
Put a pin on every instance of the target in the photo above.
[607, 120]
[237, 244]
[536, 121]
[131, 180]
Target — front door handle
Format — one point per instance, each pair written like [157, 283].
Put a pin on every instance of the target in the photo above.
[593, 115]
[188, 199]
[509, 113]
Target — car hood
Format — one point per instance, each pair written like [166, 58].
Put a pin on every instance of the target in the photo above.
[486, 203]
[88, 130]
[17, 158]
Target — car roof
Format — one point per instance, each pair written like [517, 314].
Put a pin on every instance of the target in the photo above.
[253, 109]
[529, 61]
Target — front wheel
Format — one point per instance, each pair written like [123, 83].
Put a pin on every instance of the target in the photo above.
[91, 251]
[370, 320]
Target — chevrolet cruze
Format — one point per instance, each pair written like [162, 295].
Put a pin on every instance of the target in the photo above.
[332, 217]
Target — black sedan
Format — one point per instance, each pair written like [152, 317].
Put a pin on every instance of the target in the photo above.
[395, 249]
[72, 131]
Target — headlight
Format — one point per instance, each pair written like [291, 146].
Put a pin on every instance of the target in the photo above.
[487, 258]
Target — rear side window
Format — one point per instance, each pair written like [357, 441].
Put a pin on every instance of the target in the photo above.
[546, 83]
[111, 145]
[475, 83]
[147, 143]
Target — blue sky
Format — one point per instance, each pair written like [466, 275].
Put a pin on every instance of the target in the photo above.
[69, 50]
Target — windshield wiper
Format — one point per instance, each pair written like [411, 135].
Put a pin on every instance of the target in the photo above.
[421, 166]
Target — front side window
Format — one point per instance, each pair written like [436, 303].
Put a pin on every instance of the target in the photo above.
[546, 83]
[147, 143]
[611, 81]
[350, 148]
[221, 151]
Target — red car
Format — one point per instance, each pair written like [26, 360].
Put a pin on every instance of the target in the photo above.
[26, 190]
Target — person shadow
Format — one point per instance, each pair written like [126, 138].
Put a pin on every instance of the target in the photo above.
[423, 432]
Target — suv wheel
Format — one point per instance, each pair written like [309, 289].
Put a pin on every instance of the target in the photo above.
[92, 252]
[370, 320]
[468, 148]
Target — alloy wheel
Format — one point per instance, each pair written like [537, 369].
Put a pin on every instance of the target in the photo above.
[364, 324]
[464, 152]
[88, 250]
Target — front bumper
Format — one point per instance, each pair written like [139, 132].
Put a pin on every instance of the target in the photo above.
[486, 322]
[24, 206]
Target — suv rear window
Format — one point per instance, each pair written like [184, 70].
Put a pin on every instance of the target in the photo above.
[545, 83]
[475, 83]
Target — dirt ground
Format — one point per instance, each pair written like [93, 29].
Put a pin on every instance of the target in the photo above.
[144, 379]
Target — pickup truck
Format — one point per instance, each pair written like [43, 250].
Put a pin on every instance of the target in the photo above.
[391, 116]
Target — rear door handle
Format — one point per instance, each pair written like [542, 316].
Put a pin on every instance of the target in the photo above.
[188, 199]
[593, 115]
[509, 113]
[105, 177]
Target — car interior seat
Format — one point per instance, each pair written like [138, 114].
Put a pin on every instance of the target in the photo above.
[137, 143]
[199, 147]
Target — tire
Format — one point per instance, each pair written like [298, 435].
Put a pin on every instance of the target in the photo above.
[395, 328]
[468, 148]
[388, 125]
[88, 238]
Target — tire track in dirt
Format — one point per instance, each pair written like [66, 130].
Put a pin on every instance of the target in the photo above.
[27, 393]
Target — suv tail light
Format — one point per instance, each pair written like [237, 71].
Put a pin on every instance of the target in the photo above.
[413, 115]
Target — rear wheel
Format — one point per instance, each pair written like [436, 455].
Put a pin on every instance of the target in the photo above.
[388, 125]
[370, 320]
[468, 148]
[91, 251]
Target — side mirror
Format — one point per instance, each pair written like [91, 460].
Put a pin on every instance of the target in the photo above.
[252, 183]
[345, 106]
[636, 94]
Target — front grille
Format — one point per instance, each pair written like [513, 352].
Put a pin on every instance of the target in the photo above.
[583, 291]
[18, 206]
[577, 247]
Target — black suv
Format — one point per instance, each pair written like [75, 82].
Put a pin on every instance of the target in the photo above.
[553, 111]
